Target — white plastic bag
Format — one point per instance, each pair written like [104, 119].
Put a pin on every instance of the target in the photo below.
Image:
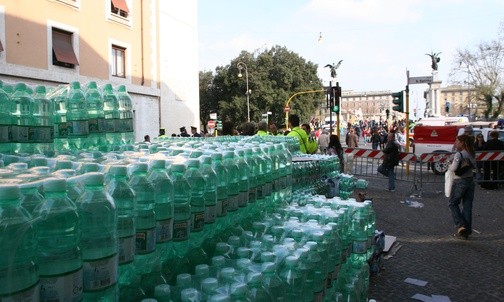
[448, 182]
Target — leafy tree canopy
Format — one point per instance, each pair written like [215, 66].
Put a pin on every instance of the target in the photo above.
[274, 75]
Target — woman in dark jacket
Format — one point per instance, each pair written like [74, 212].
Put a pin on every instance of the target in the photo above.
[335, 148]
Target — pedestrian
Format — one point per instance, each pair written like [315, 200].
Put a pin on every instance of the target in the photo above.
[375, 139]
[147, 138]
[305, 145]
[183, 132]
[194, 132]
[262, 128]
[462, 190]
[228, 128]
[248, 129]
[493, 170]
[390, 161]
[273, 129]
[401, 138]
[352, 139]
[479, 144]
[323, 141]
[335, 148]
[162, 132]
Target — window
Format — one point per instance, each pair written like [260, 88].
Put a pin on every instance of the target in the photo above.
[118, 61]
[119, 7]
[62, 50]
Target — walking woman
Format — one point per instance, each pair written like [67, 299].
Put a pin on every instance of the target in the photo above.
[463, 187]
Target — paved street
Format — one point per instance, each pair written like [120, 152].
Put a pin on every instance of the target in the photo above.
[471, 270]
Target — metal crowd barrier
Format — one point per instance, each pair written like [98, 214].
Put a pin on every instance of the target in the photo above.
[419, 170]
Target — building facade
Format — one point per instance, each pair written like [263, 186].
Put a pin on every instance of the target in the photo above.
[150, 46]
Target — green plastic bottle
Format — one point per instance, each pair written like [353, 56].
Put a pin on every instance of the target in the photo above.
[59, 97]
[23, 132]
[126, 115]
[96, 119]
[6, 122]
[77, 117]
[111, 112]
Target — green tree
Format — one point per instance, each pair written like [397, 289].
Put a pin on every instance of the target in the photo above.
[207, 101]
[483, 69]
[273, 76]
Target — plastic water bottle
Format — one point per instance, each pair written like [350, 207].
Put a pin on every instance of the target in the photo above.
[210, 195]
[58, 233]
[18, 271]
[239, 292]
[77, 117]
[124, 198]
[6, 122]
[272, 281]
[197, 183]
[99, 242]
[257, 292]
[23, 130]
[145, 219]
[31, 196]
[42, 112]
[252, 174]
[232, 180]
[209, 288]
[96, 118]
[162, 293]
[58, 97]
[163, 196]
[111, 112]
[222, 184]
[181, 203]
[292, 279]
[125, 115]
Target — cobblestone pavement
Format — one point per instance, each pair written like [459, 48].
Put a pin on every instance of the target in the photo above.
[463, 270]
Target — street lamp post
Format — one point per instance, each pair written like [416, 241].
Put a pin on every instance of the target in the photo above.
[242, 66]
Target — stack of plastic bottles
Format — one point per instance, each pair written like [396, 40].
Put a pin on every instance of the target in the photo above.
[64, 119]
[180, 220]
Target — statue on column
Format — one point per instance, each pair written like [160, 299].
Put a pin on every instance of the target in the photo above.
[333, 68]
[434, 59]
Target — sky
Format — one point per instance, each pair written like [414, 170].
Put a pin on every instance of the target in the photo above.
[378, 40]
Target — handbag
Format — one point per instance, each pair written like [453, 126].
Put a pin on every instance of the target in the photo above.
[449, 175]
[463, 166]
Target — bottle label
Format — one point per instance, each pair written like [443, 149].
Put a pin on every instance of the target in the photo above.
[145, 241]
[127, 125]
[243, 201]
[359, 247]
[164, 230]
[67, 287]
[78, 128]
[44, 134]
[233, 203]
[61, 130]
[96, 125]
[197, 221]
[218, 208]
[259, 193]
[210, 214]
[110, 125]
[31, 294]
[100, 274]
[127, 246]
[181, 230]
[5, 134]
[21, 134]
[252, 195]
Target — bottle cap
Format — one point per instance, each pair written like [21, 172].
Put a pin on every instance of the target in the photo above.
[55, 185]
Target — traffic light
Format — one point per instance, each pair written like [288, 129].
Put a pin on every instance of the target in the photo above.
[336, 95]
[447, 107]
[219, 125]
[398, 100]
[387, 112]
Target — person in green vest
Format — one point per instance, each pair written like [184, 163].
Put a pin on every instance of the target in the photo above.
[262, 129]
[307, 145]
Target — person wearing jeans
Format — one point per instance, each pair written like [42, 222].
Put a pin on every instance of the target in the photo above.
[390, 160]
[463, 187]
